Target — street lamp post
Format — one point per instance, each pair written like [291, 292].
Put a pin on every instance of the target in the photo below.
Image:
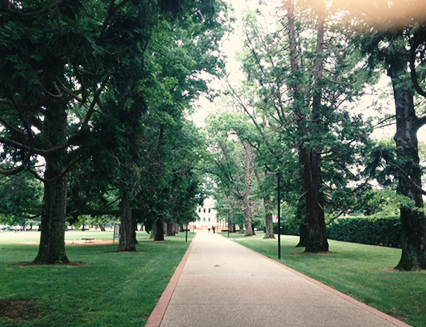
[279, 210]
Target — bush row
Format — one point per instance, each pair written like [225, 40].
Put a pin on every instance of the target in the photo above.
[374, 231]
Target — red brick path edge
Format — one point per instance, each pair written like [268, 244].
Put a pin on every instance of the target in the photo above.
[376, 312]
[157, 314]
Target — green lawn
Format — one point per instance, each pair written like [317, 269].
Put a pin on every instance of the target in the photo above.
[362, 271]
[111, 289]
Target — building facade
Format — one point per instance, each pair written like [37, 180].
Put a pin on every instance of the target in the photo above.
[206, 217]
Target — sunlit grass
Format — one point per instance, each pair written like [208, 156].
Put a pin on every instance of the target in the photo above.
[111, 289]
[364, 272]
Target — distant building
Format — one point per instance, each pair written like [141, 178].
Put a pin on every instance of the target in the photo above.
[206, 217]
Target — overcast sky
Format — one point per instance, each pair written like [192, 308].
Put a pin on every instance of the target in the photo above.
[233, 43]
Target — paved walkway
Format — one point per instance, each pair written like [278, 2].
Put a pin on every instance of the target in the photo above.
[221, 283]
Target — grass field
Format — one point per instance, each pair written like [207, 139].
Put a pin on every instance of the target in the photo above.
[107, 289]
[362, 271]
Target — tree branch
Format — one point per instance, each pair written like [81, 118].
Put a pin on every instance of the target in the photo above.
[409, 180]
[413, 73]
[91, 110]
[111, 11]
[19, 13]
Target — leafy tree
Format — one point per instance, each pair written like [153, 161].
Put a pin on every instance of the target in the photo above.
[21, 199]
[232, 165]
[301, 110]
[393, 38]
[57, 62]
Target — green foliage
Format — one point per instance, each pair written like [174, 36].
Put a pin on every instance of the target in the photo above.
[267, 97]
[374, 231]
[380, 229]
[21, 199]
[382, 203]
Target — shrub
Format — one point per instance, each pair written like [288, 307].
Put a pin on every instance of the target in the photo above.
[374, 231]
[364, 230]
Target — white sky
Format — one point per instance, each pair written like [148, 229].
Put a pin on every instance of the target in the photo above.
[233, 43]
[230, 46]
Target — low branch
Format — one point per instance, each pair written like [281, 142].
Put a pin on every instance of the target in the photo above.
[335, 217]
[413, 72]
[11, 172]
[64, 89]
[6, 124]
[409, 180]
[52, 180]
[111, 11]
[92, 105]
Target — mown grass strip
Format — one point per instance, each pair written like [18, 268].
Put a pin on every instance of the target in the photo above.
[110, 289]
[363, 272]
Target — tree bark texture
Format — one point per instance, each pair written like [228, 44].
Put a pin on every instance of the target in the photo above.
[128, 228]
[159, 230]
[172, 228]
[413, 221]
[247, 216]
[316, 239]
[52, 237]
[303, 232]
[269, 227]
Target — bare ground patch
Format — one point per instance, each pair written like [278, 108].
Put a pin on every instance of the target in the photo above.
[69, 264]
[79, 242]
[311, 253]
[392, 269]
[19, 310]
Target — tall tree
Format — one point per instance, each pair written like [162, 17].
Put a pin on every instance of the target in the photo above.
[393, 36]
[57, 61]
[298, 107]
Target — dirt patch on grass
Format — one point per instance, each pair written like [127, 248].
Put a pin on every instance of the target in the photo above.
[311, 253]
[19, 310]
[79, 242]
[70, 264]
[392, 269]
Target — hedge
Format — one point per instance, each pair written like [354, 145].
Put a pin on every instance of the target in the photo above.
[373, 231]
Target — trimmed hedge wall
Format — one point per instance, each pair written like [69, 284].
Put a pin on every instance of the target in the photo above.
[286, 230]
[373, 231]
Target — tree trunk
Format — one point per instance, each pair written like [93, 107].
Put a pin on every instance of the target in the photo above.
[159, 230]
[52, 237]
[316, 239]
[249, 229]
[127, 231]
[231, 226]
[269, 226]
[172, 228]
[269, 230]
[303, 235]
[413, 221]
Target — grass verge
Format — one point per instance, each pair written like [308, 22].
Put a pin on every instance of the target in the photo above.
[363, 272]
[111, 289]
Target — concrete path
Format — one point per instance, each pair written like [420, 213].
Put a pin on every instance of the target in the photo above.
[221, 283]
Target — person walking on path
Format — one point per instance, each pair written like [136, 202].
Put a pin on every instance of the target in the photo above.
[221, 283]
